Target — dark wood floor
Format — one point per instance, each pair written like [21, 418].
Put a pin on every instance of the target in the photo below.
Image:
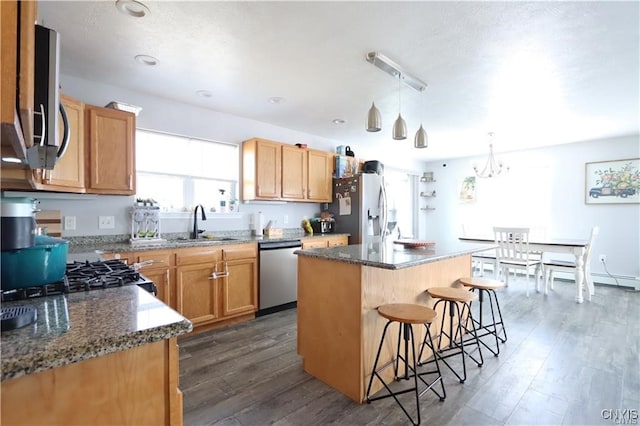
[564, 363]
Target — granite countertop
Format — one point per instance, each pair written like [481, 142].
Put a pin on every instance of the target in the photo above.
[79, 326]
[108, 245]
[388, 255]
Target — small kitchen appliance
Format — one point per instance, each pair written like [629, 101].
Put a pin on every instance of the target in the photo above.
[18, 223]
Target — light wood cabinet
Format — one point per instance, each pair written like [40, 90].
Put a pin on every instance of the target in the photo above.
[261, 170]
[186, 281]
[240, 286]
[319, 176]
[137, 386]
[197, 288]
[276, 171]
[17, 53]
[294, 172]
[110, 165]
[323, 242]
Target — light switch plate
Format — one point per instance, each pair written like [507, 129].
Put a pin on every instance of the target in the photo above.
[106, 222]
[69, 223]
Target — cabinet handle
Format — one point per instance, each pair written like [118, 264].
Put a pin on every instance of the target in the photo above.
[223, 274]
[130, 181]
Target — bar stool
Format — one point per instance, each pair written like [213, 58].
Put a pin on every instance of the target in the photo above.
[488, 286]
[407, 315]
[451, 296]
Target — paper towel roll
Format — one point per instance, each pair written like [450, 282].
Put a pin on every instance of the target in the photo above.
[258, 224]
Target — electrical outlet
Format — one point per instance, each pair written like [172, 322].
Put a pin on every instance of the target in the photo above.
[69, 223]
[285, 220]
[603, 258]
[106, 222]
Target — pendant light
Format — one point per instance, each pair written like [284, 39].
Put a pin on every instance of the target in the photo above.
[493, 167]
[374, 122]
[421, 140]
[399, 127]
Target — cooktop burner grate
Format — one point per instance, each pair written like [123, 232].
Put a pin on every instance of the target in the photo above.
[86, 276]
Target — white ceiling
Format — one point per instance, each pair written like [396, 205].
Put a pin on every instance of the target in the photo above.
[535, 73]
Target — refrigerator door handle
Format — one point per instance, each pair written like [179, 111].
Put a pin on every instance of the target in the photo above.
[383, 231]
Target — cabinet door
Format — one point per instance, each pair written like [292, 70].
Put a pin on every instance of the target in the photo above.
[158, 272]
[197, 293]
[239, 289]
[268, 167]
[314, 243]
[320, 171]
[111, 151]
[337, 241]
[68, 174]
[294, 172]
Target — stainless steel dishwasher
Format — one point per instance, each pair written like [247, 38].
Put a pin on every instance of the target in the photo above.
[278, 275]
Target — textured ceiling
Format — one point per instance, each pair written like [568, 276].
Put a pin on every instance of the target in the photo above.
[535, 73]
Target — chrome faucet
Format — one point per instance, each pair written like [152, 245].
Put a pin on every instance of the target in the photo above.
[197, 231]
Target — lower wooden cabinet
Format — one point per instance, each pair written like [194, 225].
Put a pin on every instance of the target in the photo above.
[209, 285]
[322, 242]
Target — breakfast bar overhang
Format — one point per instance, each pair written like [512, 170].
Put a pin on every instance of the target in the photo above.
[339, 290]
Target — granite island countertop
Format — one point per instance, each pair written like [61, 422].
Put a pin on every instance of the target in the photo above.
[79, 326]
[388, 255]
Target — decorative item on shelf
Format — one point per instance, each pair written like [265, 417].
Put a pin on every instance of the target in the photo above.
[348, 152]
[492, 168]
[428, 194]
[425, 208]
[399, 131]
[427, 177]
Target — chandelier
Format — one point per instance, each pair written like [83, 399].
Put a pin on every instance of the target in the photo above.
[492, 168]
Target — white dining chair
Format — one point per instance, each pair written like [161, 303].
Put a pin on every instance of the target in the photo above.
[551, 266]
[479, 259]
[513, 253]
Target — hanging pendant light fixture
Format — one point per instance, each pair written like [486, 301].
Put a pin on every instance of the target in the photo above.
[374, 122]
[493, 168]
[421, 140]
[399, 127]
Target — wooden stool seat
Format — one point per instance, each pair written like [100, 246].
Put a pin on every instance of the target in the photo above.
[452, 294]
[481, 283]
[407, 313]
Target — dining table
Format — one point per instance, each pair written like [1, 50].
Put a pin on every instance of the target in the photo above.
[577, 247]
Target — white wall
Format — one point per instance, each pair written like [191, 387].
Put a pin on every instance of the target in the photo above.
[165, 115]
[544, 188]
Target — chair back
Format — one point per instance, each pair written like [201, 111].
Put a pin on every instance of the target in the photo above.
[587, 255]
[513, 243]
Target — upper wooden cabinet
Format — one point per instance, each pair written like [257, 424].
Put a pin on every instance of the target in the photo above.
[17, 76]
[110, 165]
[276, 171]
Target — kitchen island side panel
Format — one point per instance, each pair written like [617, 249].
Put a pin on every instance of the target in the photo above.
[329, 322]
[338, 325]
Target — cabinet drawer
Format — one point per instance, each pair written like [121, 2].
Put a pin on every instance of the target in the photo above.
[314, 243]
[244, 251]
[195, 255]
[160, 258]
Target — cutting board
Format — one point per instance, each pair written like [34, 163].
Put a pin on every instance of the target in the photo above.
[52, 219]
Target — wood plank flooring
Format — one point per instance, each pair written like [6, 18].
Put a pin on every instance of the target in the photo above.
[563, 363]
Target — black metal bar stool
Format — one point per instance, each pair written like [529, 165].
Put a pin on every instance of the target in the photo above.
[407, 315]
[494, 328]
[451, 296]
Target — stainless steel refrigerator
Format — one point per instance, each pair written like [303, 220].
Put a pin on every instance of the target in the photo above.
[360, 207]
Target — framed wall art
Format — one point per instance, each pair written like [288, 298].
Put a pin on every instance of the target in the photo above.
[613, 182]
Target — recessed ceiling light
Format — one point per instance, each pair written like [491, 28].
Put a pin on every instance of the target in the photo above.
[147, 60]
[337, 121]
[132, 8]
[11, 160]
[276, 100]
[204, 93]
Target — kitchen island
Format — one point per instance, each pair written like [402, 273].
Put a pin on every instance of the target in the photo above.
[107, 356]
[339, 290]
